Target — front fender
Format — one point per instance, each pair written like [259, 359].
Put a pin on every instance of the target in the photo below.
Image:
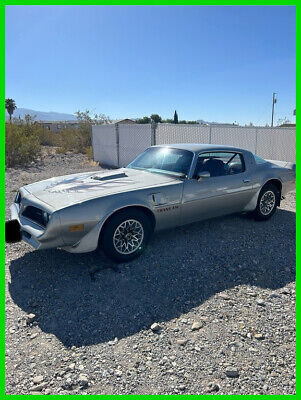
[100, 210]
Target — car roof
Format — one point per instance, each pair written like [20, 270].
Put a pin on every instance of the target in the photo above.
[197, 147]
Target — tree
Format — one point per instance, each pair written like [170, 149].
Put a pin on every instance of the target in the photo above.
[283, 121]
[29, 119]
[10, 107]
[84, 117]
[144, 120]
[156, 118]
[175, 118]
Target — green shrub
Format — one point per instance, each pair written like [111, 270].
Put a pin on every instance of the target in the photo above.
[24, 141]
[22, 144]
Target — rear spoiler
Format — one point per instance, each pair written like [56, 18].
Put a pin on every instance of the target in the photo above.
[284, 164]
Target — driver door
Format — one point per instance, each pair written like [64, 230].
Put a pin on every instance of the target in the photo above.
[224, 192]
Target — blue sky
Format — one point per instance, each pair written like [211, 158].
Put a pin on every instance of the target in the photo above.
[213, 63]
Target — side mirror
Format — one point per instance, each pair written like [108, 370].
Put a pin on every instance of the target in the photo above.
[203, 175]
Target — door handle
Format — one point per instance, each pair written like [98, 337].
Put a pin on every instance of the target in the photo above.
[246, 180]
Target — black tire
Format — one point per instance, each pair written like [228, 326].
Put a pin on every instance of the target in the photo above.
[261, 213]
[112, 227]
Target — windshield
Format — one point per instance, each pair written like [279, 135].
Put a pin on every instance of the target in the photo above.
[164, 160]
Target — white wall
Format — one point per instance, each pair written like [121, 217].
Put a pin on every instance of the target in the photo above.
[118, 145]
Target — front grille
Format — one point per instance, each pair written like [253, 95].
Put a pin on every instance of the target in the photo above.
[34, 214]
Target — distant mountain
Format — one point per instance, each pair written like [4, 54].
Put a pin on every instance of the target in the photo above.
[41, 115]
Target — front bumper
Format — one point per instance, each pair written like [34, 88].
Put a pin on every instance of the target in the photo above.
[21, 228]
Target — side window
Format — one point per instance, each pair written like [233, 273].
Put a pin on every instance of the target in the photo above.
[236, 165]
[220, 164]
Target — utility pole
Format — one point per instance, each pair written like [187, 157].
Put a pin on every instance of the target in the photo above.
[274, 102]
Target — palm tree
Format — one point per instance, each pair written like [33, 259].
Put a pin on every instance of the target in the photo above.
[10, 106]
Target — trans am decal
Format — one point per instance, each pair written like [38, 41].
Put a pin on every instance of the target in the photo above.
[167, 208]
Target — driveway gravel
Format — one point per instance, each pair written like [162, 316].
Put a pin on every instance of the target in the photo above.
[208, 308]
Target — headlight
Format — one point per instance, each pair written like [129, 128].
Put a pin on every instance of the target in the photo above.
[18, 198]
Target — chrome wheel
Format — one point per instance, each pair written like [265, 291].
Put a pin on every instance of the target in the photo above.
[267, 202]
[128, 236]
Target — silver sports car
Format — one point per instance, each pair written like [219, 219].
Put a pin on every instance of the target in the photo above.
[166, 186]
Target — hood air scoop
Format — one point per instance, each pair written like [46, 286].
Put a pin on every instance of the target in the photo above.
[107, 178]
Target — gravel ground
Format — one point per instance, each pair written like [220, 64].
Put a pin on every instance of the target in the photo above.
[208, 308]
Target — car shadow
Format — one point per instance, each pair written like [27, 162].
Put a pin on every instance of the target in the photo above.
[84, 299]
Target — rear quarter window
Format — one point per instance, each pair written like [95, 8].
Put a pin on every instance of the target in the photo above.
[259, 160]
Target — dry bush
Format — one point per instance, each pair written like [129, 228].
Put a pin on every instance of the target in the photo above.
[22, 144]
[74, 140]
[46, 137]
[89, 152]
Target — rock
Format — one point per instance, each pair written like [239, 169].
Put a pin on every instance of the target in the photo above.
[12, 330]
[259, 336]
[196, 326]
[38, 379]
[224, 296]
[182, 342]
[30, 318]
[212, 387]
[232, 372]
[39, 387]
[112, 342]
[34, 335]
[182, 387]
[275, 296]
[71, 367]
[47, 391]
[83, 380]
[260, 302]
[68, 385]
[155, 327]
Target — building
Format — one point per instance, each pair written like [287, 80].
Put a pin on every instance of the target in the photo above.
[123, 121]
[288, 125]
[57, 126]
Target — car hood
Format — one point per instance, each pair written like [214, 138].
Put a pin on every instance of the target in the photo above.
[64, 191]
